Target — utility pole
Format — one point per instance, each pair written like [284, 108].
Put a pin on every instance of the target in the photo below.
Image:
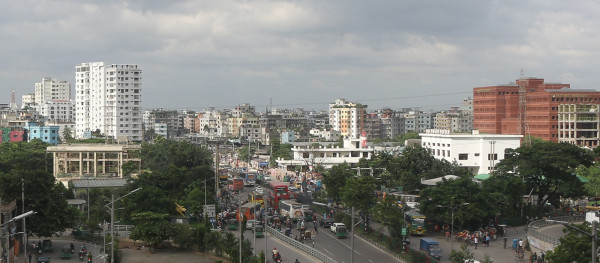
[25, 239]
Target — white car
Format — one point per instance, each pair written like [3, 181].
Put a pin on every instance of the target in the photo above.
[335, 226]
[259, 190]
[267, 177]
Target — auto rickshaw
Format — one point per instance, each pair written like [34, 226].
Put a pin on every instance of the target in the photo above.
[47, 245]
[66, 252]
[232, 224]
[340, 232]
[259, 231]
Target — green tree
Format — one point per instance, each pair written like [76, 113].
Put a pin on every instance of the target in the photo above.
[592, 174]
[359, 192]
[436, 203]
[68, 134]
[335, 180]
[27, 165]
[152, 228]
[461, 256]
[574, 247]
[507, 190]
[548, 168]
[245, 155]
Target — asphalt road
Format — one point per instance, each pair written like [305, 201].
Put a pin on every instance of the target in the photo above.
[55, 255]
[340, 249]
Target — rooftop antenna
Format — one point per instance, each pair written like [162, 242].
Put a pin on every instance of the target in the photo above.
[523, 127]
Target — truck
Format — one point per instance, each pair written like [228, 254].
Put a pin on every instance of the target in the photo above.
[431, 248]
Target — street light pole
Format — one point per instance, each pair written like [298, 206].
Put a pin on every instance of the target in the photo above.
[452, 208]
[593, 235]
[112, 222]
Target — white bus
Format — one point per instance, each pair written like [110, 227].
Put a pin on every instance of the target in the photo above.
[292, 209]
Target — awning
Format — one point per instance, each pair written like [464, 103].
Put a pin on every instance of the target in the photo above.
[482, 177]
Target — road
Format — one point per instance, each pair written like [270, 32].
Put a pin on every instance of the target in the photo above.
[340, 249]
[55, 255]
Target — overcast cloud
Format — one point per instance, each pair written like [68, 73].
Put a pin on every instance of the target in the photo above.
[396, 53]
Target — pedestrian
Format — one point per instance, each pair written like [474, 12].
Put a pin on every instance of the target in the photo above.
[29, 257]
[475, 241]
[505, 239]
[487, 240]
[520, 245]
[534, 257]
[542, 257]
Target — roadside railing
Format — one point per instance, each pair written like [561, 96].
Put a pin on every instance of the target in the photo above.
[301, 246]
[535, 225]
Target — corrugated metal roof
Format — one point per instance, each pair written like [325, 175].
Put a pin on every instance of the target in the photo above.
[98, 183]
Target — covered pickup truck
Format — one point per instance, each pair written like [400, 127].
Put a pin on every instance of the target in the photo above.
[431, 248]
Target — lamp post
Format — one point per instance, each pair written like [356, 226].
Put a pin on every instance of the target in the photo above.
[21, 216]
[593, 235]
[452, 225]
[112, 222]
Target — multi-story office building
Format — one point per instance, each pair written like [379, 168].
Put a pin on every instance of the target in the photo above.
[347, 117]
[108, 99]
[480, 153]
[51, 89]
[532, 107]
[28, 100]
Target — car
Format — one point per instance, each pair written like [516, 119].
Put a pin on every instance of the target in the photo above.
[43, 259]
[259, 190]
[335, 226]
[292, 188]
[326, 222]
[250, 224]
[267, 177]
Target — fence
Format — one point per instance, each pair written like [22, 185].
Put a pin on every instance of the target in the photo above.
[535, 225]
[299, 245]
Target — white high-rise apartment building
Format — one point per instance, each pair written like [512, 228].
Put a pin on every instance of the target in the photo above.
[51, 89]
[108, 99]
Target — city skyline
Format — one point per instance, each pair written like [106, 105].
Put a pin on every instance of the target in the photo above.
[303, 54]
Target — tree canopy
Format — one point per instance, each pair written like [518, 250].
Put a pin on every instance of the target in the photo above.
[547, 168]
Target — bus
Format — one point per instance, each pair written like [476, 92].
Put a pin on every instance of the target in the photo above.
[292, 209]
[415, 222]
[235, 184]
[249, 177]
[249, 211]
[279, 191]
[254, 197]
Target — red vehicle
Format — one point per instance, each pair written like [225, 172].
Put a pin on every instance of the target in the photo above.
[279, 191]
[235, 184]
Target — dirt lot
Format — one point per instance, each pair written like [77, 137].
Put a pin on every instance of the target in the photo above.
[133, 253]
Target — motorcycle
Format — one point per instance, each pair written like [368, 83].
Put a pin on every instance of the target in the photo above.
[277, 257]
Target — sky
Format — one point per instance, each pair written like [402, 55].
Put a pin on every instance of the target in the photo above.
[305, 53]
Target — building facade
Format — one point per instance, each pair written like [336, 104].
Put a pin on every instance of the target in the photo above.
[347, 117]
[51, 89]
[531, 107]
[480, 153]
[108, 99]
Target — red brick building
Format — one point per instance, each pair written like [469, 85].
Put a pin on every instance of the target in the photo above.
[496, 110]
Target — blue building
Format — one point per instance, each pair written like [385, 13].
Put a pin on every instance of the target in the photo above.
[47, 134]
[288, 136]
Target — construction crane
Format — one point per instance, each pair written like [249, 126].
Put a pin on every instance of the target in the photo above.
[180, 209]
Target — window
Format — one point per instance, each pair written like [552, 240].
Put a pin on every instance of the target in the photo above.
[463, 156]
[476, 154]
[495, 156]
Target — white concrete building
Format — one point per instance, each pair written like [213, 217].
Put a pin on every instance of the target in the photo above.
[108, 98]
[480, 153]
[28, 100]
[58, 110]
[308, 156]
[51, 89]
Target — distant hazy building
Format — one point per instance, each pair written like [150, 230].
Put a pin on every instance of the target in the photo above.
[51, 89]
[58, 110]
[108, 99]
[347, 117]
[47, 134]
[28, 100]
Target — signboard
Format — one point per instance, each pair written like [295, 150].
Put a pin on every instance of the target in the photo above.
[209, 210]
[404, 231]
